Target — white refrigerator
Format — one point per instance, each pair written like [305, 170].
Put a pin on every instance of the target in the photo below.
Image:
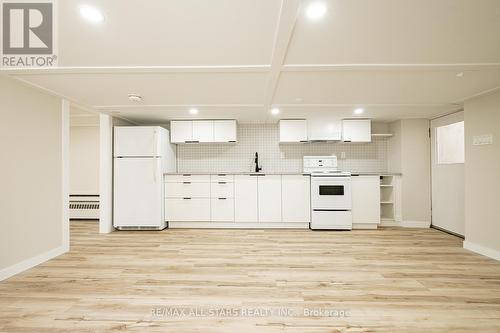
[142, 154]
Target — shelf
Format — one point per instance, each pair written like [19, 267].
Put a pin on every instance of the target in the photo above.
[386, 202]
[382, 135]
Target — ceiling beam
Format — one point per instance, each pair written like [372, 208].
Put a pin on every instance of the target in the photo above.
[139, 70]
[390, 67]
[284, 32]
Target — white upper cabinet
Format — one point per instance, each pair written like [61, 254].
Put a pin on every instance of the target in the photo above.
[357, 130]
[203, 131]
[181, 131]
[324, 130]
[293, 130]
[224, 130]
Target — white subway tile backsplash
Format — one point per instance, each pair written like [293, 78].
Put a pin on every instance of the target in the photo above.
[273, 157]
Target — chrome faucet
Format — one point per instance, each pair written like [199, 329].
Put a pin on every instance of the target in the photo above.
[257, 168]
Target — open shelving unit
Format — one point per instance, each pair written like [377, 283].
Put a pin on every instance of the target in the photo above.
[387, 211]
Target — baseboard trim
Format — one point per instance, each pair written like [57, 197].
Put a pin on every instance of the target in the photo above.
[364, 226]
[32, 262]
[238, 225]
[483, 250]
[416, 224]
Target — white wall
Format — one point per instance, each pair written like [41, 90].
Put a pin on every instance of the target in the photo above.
[32, 220]
[482, 176]
[84, 160]
[409, 153]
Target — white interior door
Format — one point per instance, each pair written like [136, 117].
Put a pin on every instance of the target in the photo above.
[447, 140]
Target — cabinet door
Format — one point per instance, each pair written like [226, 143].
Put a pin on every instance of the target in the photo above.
[269, 194]
[224, 130]
[293, 130]
[324, 129]
[187, 210]
[356, 130]
[365, 199]
[296, 198]
[203, 130]
[181, 131]
[245, 198]
[222, 210]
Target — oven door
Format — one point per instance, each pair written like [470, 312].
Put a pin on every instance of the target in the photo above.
[331, 193]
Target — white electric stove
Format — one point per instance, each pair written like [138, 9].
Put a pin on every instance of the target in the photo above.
[331, 200]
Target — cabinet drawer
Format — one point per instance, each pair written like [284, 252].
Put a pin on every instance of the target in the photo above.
[187, 210]
[223, 210]
[187, 178]
[222, 178]
[222, 190]
[187, 190]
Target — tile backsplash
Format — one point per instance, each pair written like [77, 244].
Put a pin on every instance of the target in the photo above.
[273, 157]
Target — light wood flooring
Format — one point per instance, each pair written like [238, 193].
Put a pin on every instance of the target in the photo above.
[387, 280]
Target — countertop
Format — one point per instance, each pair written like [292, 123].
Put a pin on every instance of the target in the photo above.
[280, 173]
[236, 173]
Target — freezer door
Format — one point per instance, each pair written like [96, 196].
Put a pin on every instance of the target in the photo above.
[137, 141]
[138, 192]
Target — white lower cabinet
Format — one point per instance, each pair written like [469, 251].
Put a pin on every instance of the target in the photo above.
[222, 209]
[187, 209]
[269, 198]
[365, 199]
[245, 198]
[296, 198]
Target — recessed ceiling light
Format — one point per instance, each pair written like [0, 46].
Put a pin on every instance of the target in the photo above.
[461, 74]
[193, 111]
[275, 111]
[359, 111]
[316, 10]
[134, 97]
[91, 14]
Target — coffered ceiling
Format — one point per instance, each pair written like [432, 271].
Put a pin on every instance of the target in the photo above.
[239, 58]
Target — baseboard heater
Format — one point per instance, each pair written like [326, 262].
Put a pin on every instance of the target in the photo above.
[84, 207]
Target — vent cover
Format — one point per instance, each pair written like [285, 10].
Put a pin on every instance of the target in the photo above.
[84, 207]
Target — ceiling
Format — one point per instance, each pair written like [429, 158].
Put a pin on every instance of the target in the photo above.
[239, 58]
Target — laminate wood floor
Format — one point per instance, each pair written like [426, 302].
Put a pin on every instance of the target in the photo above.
[386, 280]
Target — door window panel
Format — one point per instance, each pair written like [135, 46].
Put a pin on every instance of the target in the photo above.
[450, 143]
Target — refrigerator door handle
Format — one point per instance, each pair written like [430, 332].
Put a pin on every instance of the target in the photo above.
[155, 143]
[155, 171]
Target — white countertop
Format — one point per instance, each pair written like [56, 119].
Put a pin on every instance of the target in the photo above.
[280, 173]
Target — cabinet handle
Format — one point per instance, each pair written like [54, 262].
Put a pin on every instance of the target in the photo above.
[257, 175]
[186, 175]
[222, 182]
[232, 141]
[221, 174]
[193, 141]
[222, 198]
[186, 182]
[186, 198]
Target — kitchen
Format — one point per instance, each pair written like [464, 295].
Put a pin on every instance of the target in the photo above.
[250, 165]
[213, 179]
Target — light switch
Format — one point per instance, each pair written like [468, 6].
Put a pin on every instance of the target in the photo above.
[484, 139]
